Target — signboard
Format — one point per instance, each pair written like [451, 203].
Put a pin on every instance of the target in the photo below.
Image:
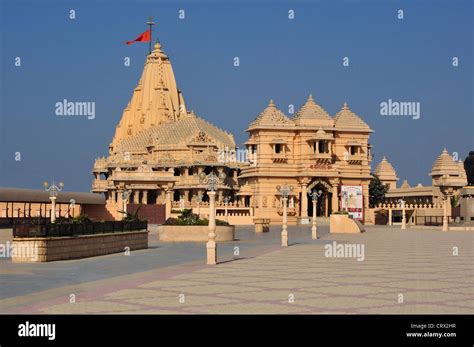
[352, 201]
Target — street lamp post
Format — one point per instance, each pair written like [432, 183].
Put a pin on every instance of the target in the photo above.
[53, 190]
[125, 196]
[446, 200]
[212, 181]
[284, 191]
[445, 213]
[404, 217]
[314, 228]
[226, 203]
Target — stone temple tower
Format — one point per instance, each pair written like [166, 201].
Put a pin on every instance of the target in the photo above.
[155, 100]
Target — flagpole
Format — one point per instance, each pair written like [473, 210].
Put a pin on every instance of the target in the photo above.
[150, 24]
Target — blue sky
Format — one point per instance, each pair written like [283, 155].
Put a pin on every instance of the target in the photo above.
[82, 60]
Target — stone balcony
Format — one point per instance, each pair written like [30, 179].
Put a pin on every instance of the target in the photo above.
[100, 185]
[356, 159]
[100, 165]
[291, 211]
[323, 157]
[279, 157]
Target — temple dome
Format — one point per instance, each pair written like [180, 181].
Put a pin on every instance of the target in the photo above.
[312, 113]
[385, 171]
[271, 117]
[189, 131]
[445, 166]
[346, 119]
[405, 184]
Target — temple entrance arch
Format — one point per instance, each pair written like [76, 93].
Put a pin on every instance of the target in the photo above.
[323, 207]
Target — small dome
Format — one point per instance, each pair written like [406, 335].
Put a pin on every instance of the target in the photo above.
[345, 118]
[405, 184]
[385, 171]
[271, 116]
[445, 165]
[312, 113]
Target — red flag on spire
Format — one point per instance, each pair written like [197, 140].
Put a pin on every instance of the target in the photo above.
[144, 37]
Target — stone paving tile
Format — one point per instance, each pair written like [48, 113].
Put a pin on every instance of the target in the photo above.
[132, 294]
[422, 284]
[249, 308]
[170, 283]
[272, 295]
[214, 288]
[418, 265]
[416, 309]
[169, 302]
[420, 296]
[350, 290]
[93, 306]
[346, 303]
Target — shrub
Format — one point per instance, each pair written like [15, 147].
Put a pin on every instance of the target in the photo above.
[187, 217]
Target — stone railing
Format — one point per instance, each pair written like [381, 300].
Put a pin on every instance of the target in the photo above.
[237, 213]
[409, 206]
[218, 204]
[100, 185]
[100, 163]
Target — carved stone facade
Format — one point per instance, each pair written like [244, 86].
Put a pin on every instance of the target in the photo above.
[309, 151]
[159, 148]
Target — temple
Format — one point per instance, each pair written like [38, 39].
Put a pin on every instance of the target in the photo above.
[448, 178]
[446, 174]
[159, 147]
[308, 151]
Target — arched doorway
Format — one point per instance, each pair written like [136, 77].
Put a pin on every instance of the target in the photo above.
[323, 204]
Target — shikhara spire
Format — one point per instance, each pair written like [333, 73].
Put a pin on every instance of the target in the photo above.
[155, 100]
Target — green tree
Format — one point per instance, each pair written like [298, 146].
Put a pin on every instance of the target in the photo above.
[377, 191]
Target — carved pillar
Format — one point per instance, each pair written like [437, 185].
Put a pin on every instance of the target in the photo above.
[335, 197]
[113, 196]
[326, 203]
[186, 195]
[136, 196]
[145, 197]
[168, 203]
[163, 196]
[159, 197]
[304, 200]
[120, 204]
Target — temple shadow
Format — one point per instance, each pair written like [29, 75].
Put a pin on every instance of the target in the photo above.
[232, 260]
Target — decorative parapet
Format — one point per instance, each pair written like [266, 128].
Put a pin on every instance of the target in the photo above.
[409, 206]
[100, 185]
[100, 164]
[279, 157]
[142, 176]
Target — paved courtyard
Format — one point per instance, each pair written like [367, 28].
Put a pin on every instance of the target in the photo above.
[412, 271]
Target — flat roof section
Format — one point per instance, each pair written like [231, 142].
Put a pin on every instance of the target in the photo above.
[36, 195]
